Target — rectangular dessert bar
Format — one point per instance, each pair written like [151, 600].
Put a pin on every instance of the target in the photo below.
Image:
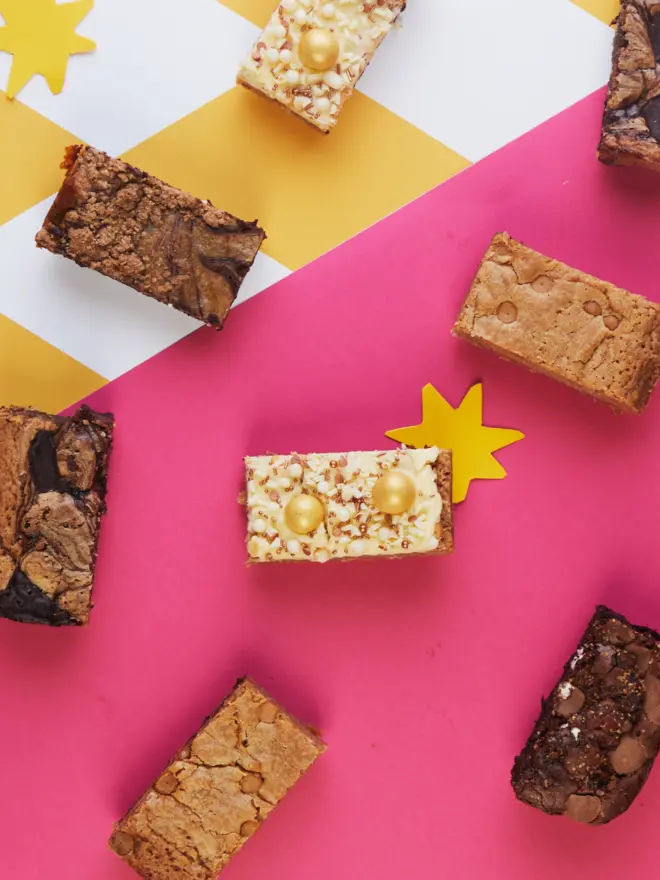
[52, 495]
[586, 333]
[312, 53]
[330, 506]
[598, 734]
[631, 122]
[218, 789]
[159, 240]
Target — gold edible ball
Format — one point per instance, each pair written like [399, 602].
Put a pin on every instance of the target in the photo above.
[304, 514]
[394, 492]
[318, 49]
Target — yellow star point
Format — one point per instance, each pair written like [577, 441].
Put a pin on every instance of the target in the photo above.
[41, 36]
[461, 430]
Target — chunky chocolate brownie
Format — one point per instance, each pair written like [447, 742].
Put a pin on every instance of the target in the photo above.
[218, 789]
[323, 507]
[598, 734]
[312, 53]
[586, 333]
[631, 122]
[52, 490]
[159, 240]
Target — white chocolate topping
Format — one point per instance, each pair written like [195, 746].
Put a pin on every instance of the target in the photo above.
[274, 66]
[343, 482]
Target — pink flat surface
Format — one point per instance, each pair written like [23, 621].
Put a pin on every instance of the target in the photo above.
[425, 675]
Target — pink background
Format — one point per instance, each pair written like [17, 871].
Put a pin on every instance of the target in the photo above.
[425, 675]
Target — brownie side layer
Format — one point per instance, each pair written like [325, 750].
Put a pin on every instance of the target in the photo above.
[52, 495]
[598, 734]
[217, 790]
[552, 319]
[167, 244]
[631, 121]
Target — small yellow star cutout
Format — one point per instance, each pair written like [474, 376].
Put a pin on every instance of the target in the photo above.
[462, 431]
[40, 34]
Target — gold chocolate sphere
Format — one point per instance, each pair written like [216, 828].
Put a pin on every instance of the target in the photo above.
[394, 492]
[304, 514]
[318, 49]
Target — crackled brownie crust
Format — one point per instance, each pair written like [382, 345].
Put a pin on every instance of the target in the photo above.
[352, 526]
[218, 790]
[631, 122]
[586, 333]
[598, 734]
[161, 241]
[52, 490]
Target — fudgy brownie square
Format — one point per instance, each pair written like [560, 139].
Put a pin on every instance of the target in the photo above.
[631, 121]
[52, 494]
[218, 789]
[598, 734]
[165, 243]
[586, 333]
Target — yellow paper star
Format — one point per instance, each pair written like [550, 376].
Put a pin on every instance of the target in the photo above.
[462, 431]
[40, 34]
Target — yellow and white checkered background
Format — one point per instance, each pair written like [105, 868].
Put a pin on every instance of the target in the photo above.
[458, 80]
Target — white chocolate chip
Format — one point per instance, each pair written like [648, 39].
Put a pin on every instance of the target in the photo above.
[328, 10]
[291, 76]
[322, 104]
[333, 79]
[285, 55]
[343, 514]
[323, 487]
[277, 30]
[288, 5]
[259, 526]
[272, 54]
[295, 470]
[356, 548]
[284, 482]
[293, 547]
[300, 16]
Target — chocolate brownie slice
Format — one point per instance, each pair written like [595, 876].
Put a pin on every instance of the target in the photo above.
[52, 489]
[165, 243]
[631, 122]
[598, 734]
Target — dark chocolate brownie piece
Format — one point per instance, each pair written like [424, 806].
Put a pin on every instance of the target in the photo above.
[218, 790]
[52, 489]
[159, 240]
[598, 734]
[631, 123]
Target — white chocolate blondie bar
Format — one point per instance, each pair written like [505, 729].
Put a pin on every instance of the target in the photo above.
[312, 53]
[328, 506]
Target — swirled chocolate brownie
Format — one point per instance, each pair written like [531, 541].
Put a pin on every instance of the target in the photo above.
[159, 240]
[598, 734]
[52, 490]
[218, 790]
[631, 122]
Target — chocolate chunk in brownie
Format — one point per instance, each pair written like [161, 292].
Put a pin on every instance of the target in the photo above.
[631, 122]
